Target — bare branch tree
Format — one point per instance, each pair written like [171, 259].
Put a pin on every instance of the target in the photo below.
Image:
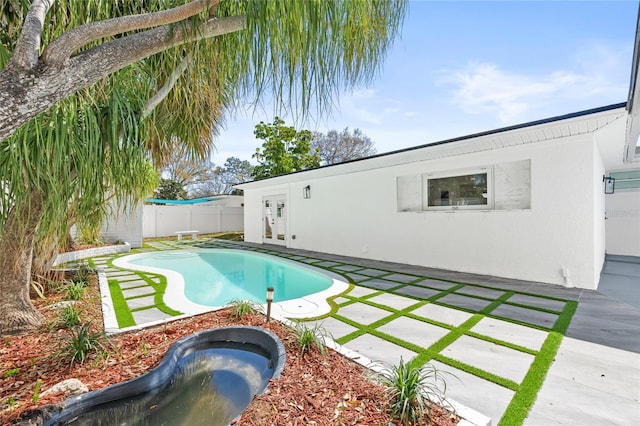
[337, 147]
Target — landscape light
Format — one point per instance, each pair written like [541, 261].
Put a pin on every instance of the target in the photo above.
[269, 300]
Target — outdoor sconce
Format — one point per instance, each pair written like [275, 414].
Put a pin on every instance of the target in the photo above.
[306, 191]
[609, 184]
[269, 300]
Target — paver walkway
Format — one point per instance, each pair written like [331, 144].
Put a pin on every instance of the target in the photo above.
[498, 337]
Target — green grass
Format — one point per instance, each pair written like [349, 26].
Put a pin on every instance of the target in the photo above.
[229, 236]
[526, 394]
[120, 307]
[124, 315]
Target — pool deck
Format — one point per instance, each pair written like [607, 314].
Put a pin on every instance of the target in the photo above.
[500, 338]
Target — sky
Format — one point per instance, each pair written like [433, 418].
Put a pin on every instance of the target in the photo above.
[462, 67]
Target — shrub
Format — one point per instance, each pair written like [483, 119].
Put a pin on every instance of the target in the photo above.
[242, 308]
[311, 337]
[69, 316]
[82, 274]
[81, 342]
[411, 390]
[75, 290]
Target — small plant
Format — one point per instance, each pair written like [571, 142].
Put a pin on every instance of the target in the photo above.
[69, 316]
[81, 342]
[12, 372]
[242, 308]
[36, 391]
[11, 401]
[411, 390]
[82, 274]
[75, 290]
[311, 337]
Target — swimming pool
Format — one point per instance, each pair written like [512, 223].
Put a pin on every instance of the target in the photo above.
[201, 279]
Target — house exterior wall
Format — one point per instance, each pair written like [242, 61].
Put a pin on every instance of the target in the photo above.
[559, 239]
[622, 208]
[623, 222]
[599, 207]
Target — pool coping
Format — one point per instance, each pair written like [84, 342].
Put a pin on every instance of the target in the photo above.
[310, 306]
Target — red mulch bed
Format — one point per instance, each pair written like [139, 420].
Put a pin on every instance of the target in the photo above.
[312, 390]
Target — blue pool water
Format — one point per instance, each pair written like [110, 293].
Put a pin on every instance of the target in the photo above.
[214, 277]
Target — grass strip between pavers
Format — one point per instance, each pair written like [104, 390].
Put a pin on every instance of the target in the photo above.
[120, 307]
[525, 396]
[509, 345]
[478, 372]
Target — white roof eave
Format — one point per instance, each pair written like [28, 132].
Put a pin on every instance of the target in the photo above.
[545, 131]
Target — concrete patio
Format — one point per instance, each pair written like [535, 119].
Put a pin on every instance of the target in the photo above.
[494, 335]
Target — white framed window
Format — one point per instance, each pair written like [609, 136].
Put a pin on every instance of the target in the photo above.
[501, 186]
[467, 189]
[626, 179]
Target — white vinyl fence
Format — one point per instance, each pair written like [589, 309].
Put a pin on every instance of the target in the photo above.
[164, 221]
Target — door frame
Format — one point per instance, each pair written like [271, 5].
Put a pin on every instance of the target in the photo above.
[274, 219]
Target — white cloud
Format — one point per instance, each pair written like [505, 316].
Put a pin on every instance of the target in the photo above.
[481, 87]
[363, 94]
[367, 106]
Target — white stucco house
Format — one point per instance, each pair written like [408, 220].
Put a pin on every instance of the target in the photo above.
[525, 202]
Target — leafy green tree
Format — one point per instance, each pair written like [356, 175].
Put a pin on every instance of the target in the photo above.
[284, 150]
[170, 189]
[89, 89]
[337, 147]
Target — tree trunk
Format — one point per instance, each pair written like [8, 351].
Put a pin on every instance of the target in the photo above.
[45, 253]
[24, 93]
[17, 313]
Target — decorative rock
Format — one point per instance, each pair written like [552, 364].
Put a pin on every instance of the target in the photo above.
[61, 305]
[69, 387]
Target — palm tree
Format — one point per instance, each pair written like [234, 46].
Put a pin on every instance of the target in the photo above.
[118, 81]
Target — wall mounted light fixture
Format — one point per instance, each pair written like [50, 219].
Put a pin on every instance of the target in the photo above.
[609, 184]
[306, 191]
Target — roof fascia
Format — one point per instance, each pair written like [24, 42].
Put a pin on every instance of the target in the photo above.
[633, 101]
[462, 139]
